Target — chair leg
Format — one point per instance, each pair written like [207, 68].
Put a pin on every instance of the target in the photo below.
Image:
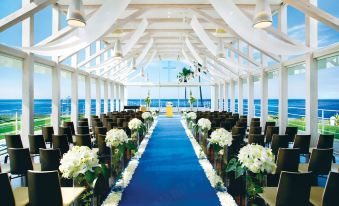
[6, 159]
[333, 158]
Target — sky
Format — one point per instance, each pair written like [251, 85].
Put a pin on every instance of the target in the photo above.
[10, 78]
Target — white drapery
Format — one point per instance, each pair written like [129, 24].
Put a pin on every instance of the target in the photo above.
[193, 51]
[135, 37]
[97, 26]
[242, 25]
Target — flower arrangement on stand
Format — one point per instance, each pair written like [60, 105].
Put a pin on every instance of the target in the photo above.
[220, 139]
[148, 118]
[116, 140]
[204, 125]
[148, 101]
[255, 162]
[189, 118]
[137, 127]
[154, 113]
[191, 101]
[82, 165]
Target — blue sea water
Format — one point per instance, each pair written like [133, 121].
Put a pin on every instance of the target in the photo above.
[327, 107]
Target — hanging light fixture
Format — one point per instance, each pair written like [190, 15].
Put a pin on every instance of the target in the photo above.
[117, 51]
[142, 73]
[204, 67]
[220, 50]
[74, 14]
[263, 15]
[134, 65]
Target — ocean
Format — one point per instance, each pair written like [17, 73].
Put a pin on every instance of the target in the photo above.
[327, 107]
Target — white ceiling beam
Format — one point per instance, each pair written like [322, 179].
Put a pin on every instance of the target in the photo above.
[95, 55]
[23, 13]
[314, 12]
[248, 58]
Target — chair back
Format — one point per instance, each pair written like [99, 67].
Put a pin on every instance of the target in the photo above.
[83, 140]
[60, 142]
[320, 161]
[294, 189]
[44, 188]
[291, 132]
[20, 161]
[255, 119]
[325, 141]
[13, 141]
[238, 131]
[66, 131]
[7, 196]
[70, 125]
[268, 124]
[103, 149]
[287, 160]
[256, 139]
[255, 124]
[255, 130]
[101, 188]
[279, 141]
[241, 123]
[47, 133]
[302, 142]
[35, 143]
[331, 189]
[270, 131]
[100, 131]
[83, 119]
[83, 130]
[50, 159]
[83, 124]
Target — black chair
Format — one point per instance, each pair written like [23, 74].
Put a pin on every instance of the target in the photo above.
[20, 161]
[101, 189]
[66, 131]
[269, 134]
[291, 132]
[255, 124]
[70, 125]
[35, 143]
[83, 119]
[60, 142]
[12, 141]
[83, 124]
[279, 141]
[255, 119]
[239, 131]
[83, 140]
[256, 139]
[268, 124]
[320, 161]
[303, 143]
[255, 130]
[104, 151]
[7, 196]
[100, 131]
[44, 188]
[83, 130]
[331, 189]
[50, 159]
[47, 133]
[325, 141]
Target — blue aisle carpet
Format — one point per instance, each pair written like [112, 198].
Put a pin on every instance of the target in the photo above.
[169, 172]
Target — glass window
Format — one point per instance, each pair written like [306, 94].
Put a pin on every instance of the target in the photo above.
[65, 95]
[81, 95]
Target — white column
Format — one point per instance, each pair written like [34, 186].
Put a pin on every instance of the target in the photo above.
[250, 98]
[106, 96]
[74, 92]
[122, 97]
[98, 59]
[88, 102]
[282, 19]
[232, 96]
[98, 96]
[311, 29]
[214, 98]
[220, 97]
[240, 96]
[56, 98]
[283, 98]
[225, 96]
[263, 99]
[125, 95]
[112, 96]
[117, 96]
[27, 119]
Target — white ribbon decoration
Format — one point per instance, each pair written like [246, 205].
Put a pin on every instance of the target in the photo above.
[97, 26]
[135, 37]
[203, 36]
[193, 51]
[242, 25]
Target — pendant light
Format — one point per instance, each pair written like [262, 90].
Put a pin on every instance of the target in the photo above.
[134, 65]
[263, 15]
[220, 50]
[204, 67]
[74, 14]
[117, 51]
[142, 73]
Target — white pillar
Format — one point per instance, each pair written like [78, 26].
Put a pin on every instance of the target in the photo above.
[225, 96]
[125, 95]
[221, 97]
[74, 92]
[122, 97]
[250, 98]
[98, 59]
[56, 98]
[283, 98]
[240, 96]
[232, 96]
[263, 97]
[282, 19]
[311, 29]
[88, 102]
[117, 97]
[27, 119]
[112, 96]
[312, 98]
[98, 96]
[214, 98]
[106, 96]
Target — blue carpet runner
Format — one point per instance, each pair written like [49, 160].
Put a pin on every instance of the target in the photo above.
[169, 172]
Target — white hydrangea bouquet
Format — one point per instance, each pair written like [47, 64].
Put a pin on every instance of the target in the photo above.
[256, 162]
[220, 138]
[203, 126]
[190, 117]
[137, 128]
[81, 164]
[148, 118]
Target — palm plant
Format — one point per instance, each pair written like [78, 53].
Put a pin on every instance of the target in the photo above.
[184, 76]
